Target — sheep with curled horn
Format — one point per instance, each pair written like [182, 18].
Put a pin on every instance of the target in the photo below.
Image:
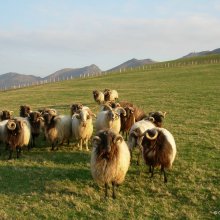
[136, 135]
[82, 126]
[110, 159]
[109, 119]
[158, 117]
[18, 134]
[159, 149]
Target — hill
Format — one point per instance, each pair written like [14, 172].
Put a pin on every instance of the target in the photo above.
[132, 63]
[68, 72]
[45, 184]
[202, 53]
[16, 79]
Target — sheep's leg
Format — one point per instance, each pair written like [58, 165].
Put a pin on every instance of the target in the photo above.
[87, 148]
[113, 190]
[152, 171]
[10, 153]
[106, 190]
[164, 174]
[52, 146]
[80, 144]
[18, 150]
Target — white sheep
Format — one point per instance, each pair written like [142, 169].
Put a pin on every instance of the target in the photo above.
[98, 96]
[110, 119]
[110, 159]
[110, 95]
[58, 128]
[82, 126]
[159, 149]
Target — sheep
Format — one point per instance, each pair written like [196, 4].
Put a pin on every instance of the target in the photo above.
[82, 126]
[139, 114]
[110, 95]
[18, 134]
[136, 135]
[5, 114]
[25, 110]
[110, 119]
[159, 149]
[127, 121]
[58, 128]
[110, 159]
[37, 122]
[98, 96]
[74, 108]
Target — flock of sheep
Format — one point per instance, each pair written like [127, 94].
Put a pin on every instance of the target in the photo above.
[111, 152]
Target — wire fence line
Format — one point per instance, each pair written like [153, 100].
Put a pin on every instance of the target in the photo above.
[146, 67]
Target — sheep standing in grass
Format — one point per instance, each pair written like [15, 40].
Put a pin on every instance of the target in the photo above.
[36, 121]
[98, 96]
[110, 119]
[82, 126]
[159, 149]
[58, 128]
[110, 159]
[136, 135]
[18, 134]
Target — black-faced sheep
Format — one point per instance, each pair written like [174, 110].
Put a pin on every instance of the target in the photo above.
[37, 122]
[110, 119]
[110, 159]
[158, 117]
[82, 126]
[25, 110]
[5, 115]
[159, 149]
[18, 134]
[58, 128]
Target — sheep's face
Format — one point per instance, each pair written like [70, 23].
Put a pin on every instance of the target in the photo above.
[158, 117]
[6, 115]
[25, 110]
[48, 118]
[75, 108]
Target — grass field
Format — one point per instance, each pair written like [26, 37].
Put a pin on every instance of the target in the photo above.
[58, 185]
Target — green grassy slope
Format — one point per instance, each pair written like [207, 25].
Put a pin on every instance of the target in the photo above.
[58, 185]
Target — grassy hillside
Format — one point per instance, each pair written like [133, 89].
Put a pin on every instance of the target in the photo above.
[58, 185]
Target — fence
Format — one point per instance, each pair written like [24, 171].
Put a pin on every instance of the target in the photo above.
[159, 65]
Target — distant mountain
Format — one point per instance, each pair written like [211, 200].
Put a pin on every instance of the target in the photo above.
[68, 72]
[132, 63]
[16, 79]
[202, 53]
[9, 80]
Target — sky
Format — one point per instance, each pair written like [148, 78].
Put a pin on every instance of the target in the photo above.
[39, 37]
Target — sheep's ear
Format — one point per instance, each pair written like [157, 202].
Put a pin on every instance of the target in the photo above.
[151, 119]
[118, 138]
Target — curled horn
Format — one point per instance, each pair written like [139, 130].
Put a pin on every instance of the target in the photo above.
[121, 110]
[137, 132]
[151, 134]
[11, 125]
[107, 107]
[96, 139]
[118, 138]
[91, 113]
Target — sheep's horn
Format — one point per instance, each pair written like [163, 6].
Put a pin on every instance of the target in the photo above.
[151, 134]
[117, 138]
[121, 110]
[108, 107]
[11, 125]
[96, 138]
